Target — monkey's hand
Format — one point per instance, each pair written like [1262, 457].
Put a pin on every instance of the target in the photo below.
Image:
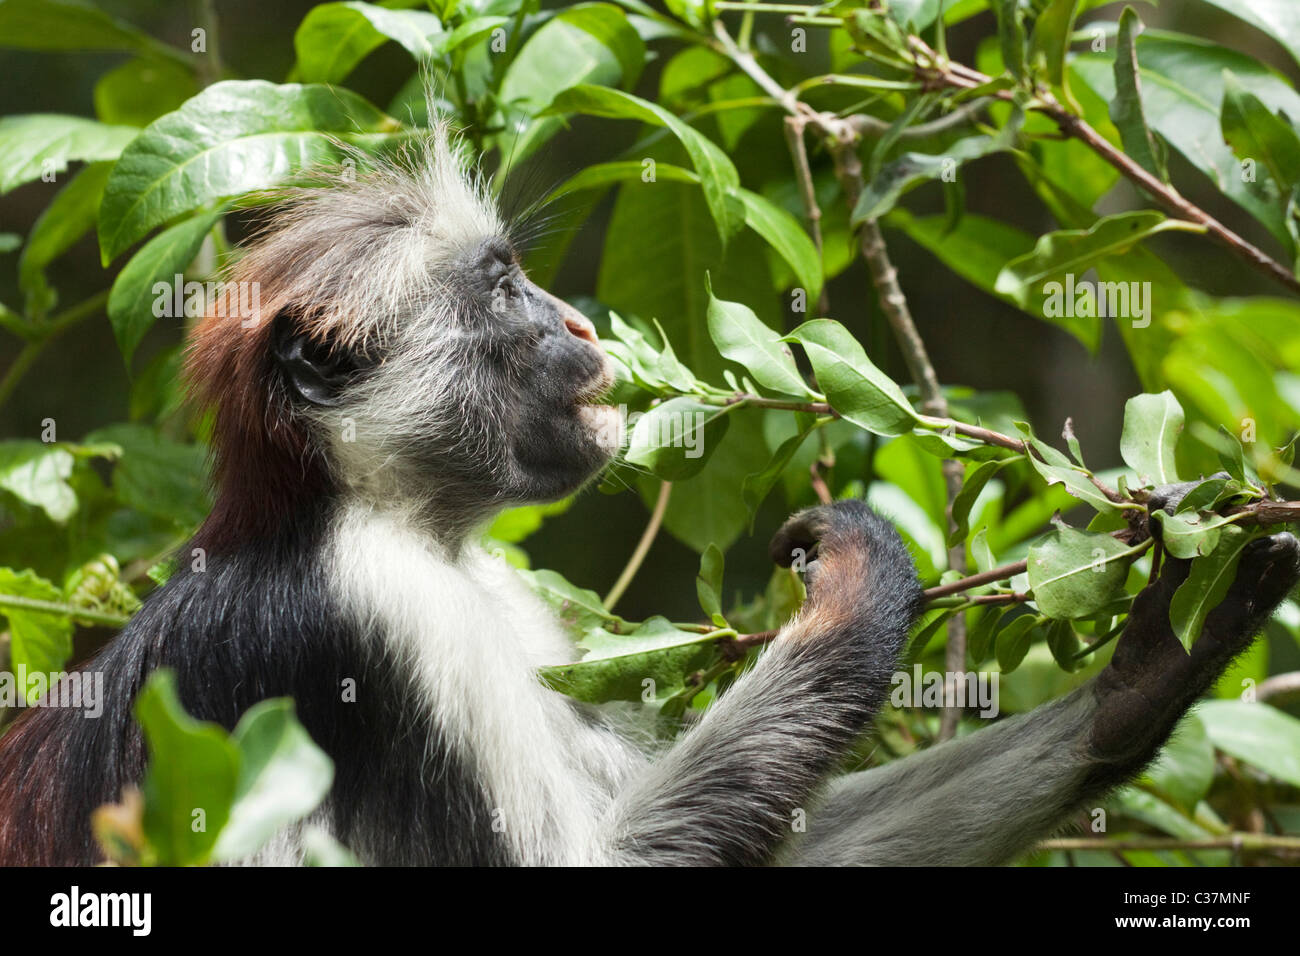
[853, 562]
[1151, 680]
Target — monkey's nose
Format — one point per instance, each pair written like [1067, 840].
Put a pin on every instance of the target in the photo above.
[580, 326]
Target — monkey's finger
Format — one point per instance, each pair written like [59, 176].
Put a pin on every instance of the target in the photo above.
[1269, 569]
[799, 535]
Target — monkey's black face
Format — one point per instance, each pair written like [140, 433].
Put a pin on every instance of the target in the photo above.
[483, 391]
[542, 377]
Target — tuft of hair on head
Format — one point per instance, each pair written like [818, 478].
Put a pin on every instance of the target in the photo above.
[353, 253]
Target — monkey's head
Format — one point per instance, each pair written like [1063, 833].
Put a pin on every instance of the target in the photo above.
[396, 351]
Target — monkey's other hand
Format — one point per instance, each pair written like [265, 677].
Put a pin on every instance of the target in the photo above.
[850, 555]
[1151, 680]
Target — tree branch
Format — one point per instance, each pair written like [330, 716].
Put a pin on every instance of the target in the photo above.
[1229, 841]
[642, 547]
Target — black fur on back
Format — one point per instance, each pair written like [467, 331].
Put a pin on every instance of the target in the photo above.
[257, 623]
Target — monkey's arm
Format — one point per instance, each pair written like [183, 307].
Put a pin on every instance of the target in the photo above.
[727, 792]
[988, 797]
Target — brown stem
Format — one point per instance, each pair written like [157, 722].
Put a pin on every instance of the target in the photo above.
[1166, 196]
[1269, 512]
[642, 547]
[975, 431]
[819, 484]
[976, 580]
[963, 77]
[794, 127]
[1229, 841]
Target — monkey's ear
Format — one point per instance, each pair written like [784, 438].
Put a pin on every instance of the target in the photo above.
[313, 371]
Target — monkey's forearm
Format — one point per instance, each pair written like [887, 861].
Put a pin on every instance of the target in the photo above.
[952, 805]
[729, 791]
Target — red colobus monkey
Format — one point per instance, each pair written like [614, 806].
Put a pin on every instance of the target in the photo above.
[404, 382]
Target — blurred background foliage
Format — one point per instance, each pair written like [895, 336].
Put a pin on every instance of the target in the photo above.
[94, 524]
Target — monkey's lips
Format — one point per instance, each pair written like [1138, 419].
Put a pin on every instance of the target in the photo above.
[603, 421]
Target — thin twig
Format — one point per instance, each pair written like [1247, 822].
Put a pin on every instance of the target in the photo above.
[819, 484]
[64, 610]
[43, 334]
[1279, 685]
[794, 127]
[1229, 841]
[963, 77]
[642, 547]
[991, 576]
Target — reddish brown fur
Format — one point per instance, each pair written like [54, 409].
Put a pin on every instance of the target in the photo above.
[263, 464]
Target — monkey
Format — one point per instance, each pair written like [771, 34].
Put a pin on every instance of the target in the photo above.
[402, 383]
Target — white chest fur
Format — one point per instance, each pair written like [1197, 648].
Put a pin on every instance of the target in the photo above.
[472, 636]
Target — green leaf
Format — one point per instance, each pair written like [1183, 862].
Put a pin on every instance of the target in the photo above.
[1182, 92]
[718, 177]
[193, 767]
[618, 667]
[1074, 251]
[1050, 40]
[607, 174]
[1011, 34]
[1055, 468]
[39, 642]
[1232, 456]
[705, 509]
[1126, 107]
[1207, 584]
[73, 25]
[675, 439]
[1013, 642]
[784, 234]
[976, 478]
[1064, 645]
[777, 227]
[1257, 733]
[912, 169]
[655, 369]
[1191, 534]
[578, 609]
[708, 584]
[40, 145]
[133, 303]
[1255, 132]
[1163, 816]
[1185, 768]
[1279, 19]
[65, 220]
[590, 43]
[37, 474]
[858, 390]
[283, 776]
[742, 337]
[976, 249]
[139, 91]
[334, 37]
[1152, 424]
[979, 640]
[759, 484]
[157, 475]
[321, 849]
[1074, 574]
[660, 242]
[234, 137]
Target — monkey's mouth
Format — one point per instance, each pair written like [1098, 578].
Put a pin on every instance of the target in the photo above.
[602, 420]
[590, 395]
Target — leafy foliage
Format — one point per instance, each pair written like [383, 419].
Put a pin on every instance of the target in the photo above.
[754, 388]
